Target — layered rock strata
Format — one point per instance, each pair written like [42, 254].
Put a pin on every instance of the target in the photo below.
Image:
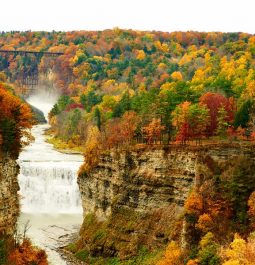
[146, 180]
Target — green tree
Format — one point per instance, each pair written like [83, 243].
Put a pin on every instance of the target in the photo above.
[222, 124]
[90, 100]
[239, 183]
[208, 253]
[123, 105]
[97, 115]
[242, 116]
[63, 102]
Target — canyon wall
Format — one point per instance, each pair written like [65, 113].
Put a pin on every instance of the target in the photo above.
[149, 179]
[9, 201]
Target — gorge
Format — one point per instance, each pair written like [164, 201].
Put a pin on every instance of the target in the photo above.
[166, 126]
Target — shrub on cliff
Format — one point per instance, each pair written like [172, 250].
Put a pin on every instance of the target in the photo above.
[25, 253]
[127, 236]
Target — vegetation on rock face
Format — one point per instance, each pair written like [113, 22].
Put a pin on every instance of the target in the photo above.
[218, 211]
[15, 122]
[127, 237]
[218, 214]
[24, 253]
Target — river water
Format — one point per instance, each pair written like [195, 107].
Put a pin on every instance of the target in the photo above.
[50, 199]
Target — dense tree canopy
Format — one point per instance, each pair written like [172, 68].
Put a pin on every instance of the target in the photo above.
[15, 120]
[104, 74]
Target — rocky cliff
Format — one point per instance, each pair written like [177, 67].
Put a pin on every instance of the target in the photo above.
[9, 202]
[148, 179]
[137, 197]
[142, 181]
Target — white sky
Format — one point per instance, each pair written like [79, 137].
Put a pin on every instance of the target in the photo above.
[164, 15]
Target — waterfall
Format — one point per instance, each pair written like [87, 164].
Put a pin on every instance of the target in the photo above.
[48, 179]
[49, 187]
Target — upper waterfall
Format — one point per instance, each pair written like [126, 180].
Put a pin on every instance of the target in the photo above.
[43, 100]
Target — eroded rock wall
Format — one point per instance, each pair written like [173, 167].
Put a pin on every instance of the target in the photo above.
[139, 180]
[9, 202]
[146, 180]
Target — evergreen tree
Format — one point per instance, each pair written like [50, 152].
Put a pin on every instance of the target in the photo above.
[243, 114]
[222, 124]
[98, 118]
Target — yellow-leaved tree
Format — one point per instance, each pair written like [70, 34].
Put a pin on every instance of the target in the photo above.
[173, 255]
[239, 252]
[92, 149]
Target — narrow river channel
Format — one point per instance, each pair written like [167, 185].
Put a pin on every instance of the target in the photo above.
[50, 199]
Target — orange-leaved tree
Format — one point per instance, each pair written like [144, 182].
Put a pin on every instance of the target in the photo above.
[120, 132]
[153, 131]
[25, 253]
[15, 120]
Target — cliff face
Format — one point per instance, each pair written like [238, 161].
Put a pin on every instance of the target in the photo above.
[9, 202]
[136, 198]
[139, 180]
[149, 179]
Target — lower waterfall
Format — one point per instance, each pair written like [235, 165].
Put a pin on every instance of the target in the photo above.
[48, 179]
[49, 187]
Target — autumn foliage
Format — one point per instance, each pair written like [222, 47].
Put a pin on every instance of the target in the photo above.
[240, 251]
[121, 88]
[153, 131]
[214, 102]
[15, 122]
[190, 121]
[26, 254]
[150, 73]
[173, 255]
[120, 132]
[251, 211]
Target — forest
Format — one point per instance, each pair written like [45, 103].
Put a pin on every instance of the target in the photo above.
[121, 89]
[173, 87]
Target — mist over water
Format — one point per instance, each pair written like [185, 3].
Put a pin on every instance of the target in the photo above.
[50, 197]
[43, 100]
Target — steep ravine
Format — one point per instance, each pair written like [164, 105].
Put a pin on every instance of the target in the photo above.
[50, 198]
[138, 180]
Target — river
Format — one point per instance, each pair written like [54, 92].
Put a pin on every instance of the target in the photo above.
[50, 199]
